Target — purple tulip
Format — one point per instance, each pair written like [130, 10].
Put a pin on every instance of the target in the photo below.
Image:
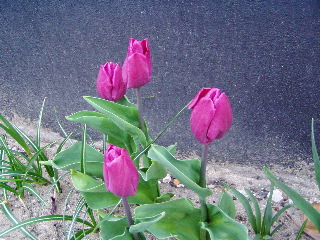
[120, 174]
[110, 84]
[137, 67]
[211, 115]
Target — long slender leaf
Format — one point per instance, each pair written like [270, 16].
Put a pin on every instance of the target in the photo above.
[9, 214]
[34, 192]
[43, 219]
[299, 235]
[315, 155]
[11, 130]
[79, 206]
[297, 199]
[247, 207]
[256, 209]
[267, 217]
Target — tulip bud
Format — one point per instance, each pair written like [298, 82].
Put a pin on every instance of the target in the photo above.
[120, 175]
[211, 115]
[137, 67]
[110, 84]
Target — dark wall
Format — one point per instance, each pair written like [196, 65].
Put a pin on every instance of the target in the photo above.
[263, 54]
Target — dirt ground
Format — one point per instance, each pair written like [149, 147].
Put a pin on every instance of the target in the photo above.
[300, 177]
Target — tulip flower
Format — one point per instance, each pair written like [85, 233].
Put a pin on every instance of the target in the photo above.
[120, 174]
[110, 83]
[211, 115]
[137, 67]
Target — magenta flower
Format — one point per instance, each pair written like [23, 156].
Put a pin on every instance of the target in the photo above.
[137, 67]
[211, 115]
[120, 174]
[110, 84]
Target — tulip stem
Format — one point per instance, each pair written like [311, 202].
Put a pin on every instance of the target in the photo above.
[203, 184]
[140, 109]
[127, 211]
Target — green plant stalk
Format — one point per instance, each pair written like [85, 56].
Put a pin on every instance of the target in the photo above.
[127, 211]
[140, 110]
[203, 184]
[83, 150]
[146, 160]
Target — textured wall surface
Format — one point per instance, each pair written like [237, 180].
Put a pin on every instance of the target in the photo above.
[263, 54]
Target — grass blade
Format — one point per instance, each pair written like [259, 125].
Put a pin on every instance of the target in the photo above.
[299, 235]
[245, 203]
[11, 130]
[297, 199]
[267, 218]
[9, 214]
[43, 219]
[34, 192]
[256, 209]
[315, 155]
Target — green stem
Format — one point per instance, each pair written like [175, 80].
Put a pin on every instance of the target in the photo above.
[203, 184]
[128, 215]
[140, 110]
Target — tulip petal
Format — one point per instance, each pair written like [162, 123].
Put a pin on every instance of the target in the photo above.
[201, 118]
[222, 119]
[120, 174]
[136, 71]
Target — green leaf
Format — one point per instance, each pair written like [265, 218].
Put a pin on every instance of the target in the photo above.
[9, 128]
[155, 171]
[113, 227]
[315, 156]
[187, 171]
[164, 198]
[181, 219]
[71, 158]
[226, 204]
[9, 214]
[86, 183]
[43, 219]
[221, 226]
[126, 118]
[147, 192]
[106, 199]
[246, 204]
[267, 217]
[145, 223]
[256, 209]
[34, 192]
[297, 199]
[101, 123]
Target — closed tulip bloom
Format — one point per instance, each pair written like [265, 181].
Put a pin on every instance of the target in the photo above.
[110, 83]
[120, 174]
[211, 115]
[137, 67]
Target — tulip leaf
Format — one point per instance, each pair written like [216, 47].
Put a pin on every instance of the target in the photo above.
[126, 118]
[155, 171]
[221, 226]
[85, 183]
[100, 200]
[145, 223]
[186, 171]
[99, 122]
[297, 199]
[92, 189]
[226, 204]
[147, 192]
[164, 198]
[180, 220]
[71, 158]
[114, 227]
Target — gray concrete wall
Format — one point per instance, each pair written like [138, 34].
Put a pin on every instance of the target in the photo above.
[263, 54]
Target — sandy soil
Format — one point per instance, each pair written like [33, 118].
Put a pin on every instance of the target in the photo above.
[300, 177]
